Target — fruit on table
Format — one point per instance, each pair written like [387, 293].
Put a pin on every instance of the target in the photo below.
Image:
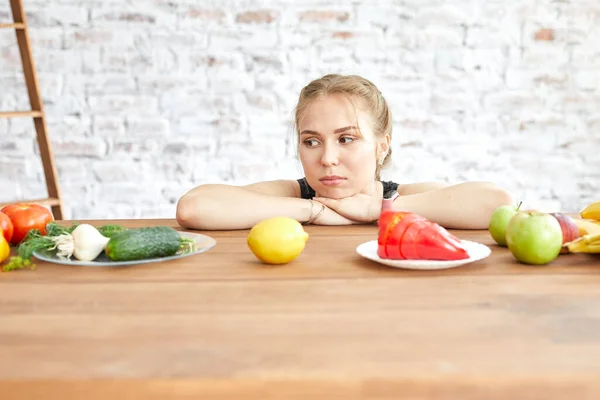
[277, 240]
[26, 217]
[587, 226]
[4, 247]
[143, 243]
[7, 226]
[534, 237]
[585, 244]
[407, 236]
[569, 229]
[499, 221]
[592, 211]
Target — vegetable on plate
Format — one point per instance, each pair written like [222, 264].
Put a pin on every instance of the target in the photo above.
[144, 243]
[408, 236]
[85, 242]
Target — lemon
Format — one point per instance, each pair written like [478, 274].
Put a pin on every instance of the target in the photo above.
[277, 240]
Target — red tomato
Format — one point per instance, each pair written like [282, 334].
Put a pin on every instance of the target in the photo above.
[25, 217]
[6, 225]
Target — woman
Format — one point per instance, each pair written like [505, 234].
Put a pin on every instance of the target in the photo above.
[344, 128]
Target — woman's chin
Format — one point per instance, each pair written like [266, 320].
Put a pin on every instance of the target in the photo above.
[335, 192]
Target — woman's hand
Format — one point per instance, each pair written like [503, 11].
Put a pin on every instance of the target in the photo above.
[330, 217]
[362, 208]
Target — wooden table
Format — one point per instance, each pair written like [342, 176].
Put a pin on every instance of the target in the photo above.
[329, 325]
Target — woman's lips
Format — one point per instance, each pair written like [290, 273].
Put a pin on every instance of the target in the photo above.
[332, 181]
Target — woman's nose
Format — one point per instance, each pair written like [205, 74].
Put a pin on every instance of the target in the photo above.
[330, 155]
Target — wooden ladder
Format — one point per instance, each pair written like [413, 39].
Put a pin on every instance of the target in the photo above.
[37, 110]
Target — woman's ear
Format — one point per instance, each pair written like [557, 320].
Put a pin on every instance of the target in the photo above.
[383, 147]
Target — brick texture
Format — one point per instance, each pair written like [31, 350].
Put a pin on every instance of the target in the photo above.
[146, 99]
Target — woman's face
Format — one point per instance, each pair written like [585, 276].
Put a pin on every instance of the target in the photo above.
[338, 148]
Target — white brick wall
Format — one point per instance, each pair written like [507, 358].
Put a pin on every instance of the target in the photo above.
[146, 99]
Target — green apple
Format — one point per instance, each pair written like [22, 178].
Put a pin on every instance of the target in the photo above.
[499, 221]
[534, 237]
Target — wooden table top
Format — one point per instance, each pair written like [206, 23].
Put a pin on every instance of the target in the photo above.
[331, 324]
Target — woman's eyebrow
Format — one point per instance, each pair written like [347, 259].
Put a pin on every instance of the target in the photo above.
[309, 132]
[338, 130]
[344, 129]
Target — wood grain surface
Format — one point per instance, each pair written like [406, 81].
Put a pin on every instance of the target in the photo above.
[328, 325]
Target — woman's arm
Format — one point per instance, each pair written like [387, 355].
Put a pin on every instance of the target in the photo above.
[225, 207]
[416, 188]
[216, 206]
[464, 206]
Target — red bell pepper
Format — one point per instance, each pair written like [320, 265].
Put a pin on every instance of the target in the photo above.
[408, 236]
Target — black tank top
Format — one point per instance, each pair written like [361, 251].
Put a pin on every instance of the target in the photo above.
[307, 192]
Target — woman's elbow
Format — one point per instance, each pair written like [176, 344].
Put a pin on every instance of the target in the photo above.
[189, 214]
[490, 198]
[501, 197]
[184, 213]
[497, 197]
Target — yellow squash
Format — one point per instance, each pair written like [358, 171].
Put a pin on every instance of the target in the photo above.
[4, 247]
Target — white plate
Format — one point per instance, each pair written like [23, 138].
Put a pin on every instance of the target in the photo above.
[477, 251]
[203, 244]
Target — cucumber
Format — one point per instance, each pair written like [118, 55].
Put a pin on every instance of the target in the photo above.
[143, 243]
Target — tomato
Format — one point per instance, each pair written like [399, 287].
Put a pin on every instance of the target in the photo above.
[4, 247]
[6, 225]
[25, 217]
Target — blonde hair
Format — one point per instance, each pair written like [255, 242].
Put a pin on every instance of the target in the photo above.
[355, 87]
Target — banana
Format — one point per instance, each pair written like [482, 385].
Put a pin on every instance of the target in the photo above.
[587, 226]
[592, 211]
[585, 244]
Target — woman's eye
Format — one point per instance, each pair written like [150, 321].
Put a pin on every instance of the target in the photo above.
[346, 139]
[311, 142]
